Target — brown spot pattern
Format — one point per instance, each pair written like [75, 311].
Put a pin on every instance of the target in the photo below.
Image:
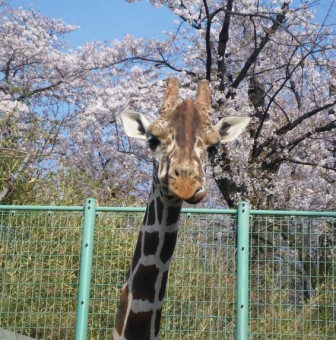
[173, 215]
[138, 326]
[151, 214]
[159, 208]
[151, 243]
[168, 246]
[143, 285]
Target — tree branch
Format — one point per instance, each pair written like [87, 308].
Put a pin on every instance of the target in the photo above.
[296, 161]
[40, 89]
[328, 127]
[222, 43]
[208, 41]
[305, 116]
[253, 57]
[195, 24]
[257, 149]
[294, 143]
[163, 62]
[296, 93]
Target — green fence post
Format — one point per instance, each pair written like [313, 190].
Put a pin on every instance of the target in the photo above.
[242, 270]
[85, 269]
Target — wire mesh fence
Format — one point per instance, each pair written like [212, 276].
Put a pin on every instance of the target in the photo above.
[39, 272]
[292, 277]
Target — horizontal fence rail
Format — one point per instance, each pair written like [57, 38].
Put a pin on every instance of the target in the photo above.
[236, 274]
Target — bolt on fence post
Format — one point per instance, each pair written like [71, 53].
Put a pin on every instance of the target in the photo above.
[85, 269]
[243, 214]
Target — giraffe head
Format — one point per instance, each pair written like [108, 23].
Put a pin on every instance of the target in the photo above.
[183, 140]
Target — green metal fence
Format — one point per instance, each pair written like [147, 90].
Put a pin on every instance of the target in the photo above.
[237, 274]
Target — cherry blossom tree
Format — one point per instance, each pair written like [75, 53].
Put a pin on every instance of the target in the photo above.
[58, 106]
[30, 122]
[267, 60]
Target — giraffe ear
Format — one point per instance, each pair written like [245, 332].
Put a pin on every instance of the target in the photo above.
[135, 124]
[231, 127]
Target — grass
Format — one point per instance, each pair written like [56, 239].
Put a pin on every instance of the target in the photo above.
[39, 272]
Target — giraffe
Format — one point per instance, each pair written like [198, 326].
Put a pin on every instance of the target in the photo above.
[182, 141]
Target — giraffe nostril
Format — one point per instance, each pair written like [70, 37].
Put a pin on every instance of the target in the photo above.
[183, 172]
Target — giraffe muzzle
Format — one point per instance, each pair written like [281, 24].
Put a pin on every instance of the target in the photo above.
[187, 189]
[198, 196]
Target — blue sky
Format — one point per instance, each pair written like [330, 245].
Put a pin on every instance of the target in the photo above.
[104, 19]
[112, 19]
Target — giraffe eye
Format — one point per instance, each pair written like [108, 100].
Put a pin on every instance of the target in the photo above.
[212, 151]
[153, 142]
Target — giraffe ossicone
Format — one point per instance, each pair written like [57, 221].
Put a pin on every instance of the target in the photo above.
[182, 140]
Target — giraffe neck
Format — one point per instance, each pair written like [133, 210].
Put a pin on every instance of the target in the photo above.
[142, 296]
